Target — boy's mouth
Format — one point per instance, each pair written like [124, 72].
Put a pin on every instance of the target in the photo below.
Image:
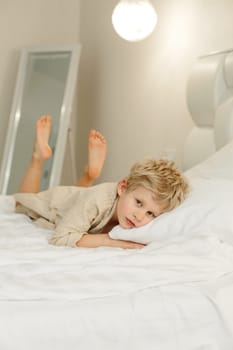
[130, 223]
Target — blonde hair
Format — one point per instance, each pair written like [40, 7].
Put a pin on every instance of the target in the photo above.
[162, 178]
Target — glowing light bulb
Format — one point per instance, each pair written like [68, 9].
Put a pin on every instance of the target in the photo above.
[134, 20]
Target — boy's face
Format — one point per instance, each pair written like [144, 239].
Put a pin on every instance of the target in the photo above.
[135, 208]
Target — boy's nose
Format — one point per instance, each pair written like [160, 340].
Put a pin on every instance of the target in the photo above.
[139, 215]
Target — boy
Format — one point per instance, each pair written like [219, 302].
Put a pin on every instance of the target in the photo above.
[83, 216]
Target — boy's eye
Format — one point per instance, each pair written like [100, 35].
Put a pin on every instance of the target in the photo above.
[139, 203]
[150, 213]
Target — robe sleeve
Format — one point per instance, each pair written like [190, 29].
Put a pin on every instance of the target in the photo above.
[75, 222]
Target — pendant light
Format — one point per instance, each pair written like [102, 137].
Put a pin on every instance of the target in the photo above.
[134, 20]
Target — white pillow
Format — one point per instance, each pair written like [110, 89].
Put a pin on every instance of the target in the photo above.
[217, 166]
[209, 208]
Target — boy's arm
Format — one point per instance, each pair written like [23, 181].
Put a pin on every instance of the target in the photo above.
[74, 222]
[95, 240]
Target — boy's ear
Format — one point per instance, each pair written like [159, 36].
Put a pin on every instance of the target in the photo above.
[122, 186]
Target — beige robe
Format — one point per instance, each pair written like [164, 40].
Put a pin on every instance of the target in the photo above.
[70, 211]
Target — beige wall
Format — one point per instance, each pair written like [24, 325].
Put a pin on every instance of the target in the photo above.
[135, 92]
[132, 92]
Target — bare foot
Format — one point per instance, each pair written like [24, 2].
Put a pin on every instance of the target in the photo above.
[42, 150]
[97, 149]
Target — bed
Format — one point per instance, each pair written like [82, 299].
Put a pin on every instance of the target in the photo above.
[174, 294]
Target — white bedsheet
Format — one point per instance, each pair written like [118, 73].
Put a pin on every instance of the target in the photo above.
[171, 296]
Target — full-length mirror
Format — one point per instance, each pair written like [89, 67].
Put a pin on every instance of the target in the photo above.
[45, 85]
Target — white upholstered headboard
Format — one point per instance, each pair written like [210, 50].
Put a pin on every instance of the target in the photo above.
[210, 102]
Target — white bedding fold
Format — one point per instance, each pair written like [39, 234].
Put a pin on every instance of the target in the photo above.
[170, 295]
[30, 269]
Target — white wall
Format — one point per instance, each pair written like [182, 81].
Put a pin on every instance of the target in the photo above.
[132, 92]
[135, 92]
[28, 23]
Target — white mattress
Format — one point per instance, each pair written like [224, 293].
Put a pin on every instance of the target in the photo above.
[167, 296]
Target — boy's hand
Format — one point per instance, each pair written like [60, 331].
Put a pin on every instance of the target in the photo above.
[90, 240]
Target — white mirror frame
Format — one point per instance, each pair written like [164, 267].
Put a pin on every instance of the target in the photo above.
[65, 113]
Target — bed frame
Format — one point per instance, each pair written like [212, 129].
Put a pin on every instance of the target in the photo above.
[210, 102]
